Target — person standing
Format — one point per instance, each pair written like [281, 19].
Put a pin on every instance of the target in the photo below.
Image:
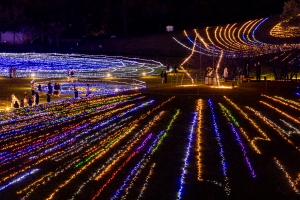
[37, 98]
[55, 89]
[10, 71]
[75, 93]
[25, 100]
[247, 70]
[58, 89]
[225, 72]
[162, 76]
[50, 88]
[16, 104]
[32, 88]
[258, 71]
[48, 98]
[30, 102]
[165, 76]
[69, 74]
[22, 104]
[40, 88]
[14, 100]
[87, 90]
[14, 72]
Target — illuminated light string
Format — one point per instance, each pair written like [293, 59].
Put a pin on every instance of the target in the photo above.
[113, 158]
[85, 167]
[145, 185]
[97, 137]
[165, 132]
[56, 118]
[223, 160]
[186, 157]
[121, 167]
[276, 127]
[136, 171]
[199, 138]
[281, 112]
[19, 179]
[295, 130]
[246, 45]
[129, 148]
[238, 139]
[51, 174]
[217, 68]
[24, 167]
[283, 102]
[106, 87]
[181, 65]
[33, 110]
[86, 66]
[289, 101]
[282, 31]
[51, 196]
[60, 138]
[33, 122]
[293, 183]
[151, 150]
[251, 141]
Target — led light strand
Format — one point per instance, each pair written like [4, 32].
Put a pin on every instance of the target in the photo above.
[229, 116]
[199, 138]
[252, 141]
[186, 158]
[223, 161]
[293, 183]
[145, 185]
[274, 126]
[281, 112]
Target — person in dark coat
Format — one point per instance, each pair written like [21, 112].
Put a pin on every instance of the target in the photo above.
[258, 71]
[165, 76]
[22, 103]
[48, 98]
[39, 88]
[50, 88]
[162, 76]
[247, 70]
[37, 98]
[30, 102]
[16, 104]
[75, 93]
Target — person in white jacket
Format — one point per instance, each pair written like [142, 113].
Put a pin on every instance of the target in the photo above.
[225, 73]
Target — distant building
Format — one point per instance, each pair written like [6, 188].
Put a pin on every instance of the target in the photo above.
[12, 38]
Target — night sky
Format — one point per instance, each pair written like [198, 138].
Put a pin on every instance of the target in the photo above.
[129, 17]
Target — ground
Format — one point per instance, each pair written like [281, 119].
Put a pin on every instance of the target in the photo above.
[162, 142]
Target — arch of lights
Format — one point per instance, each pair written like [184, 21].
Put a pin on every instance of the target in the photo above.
[54, 65]
[236, 41]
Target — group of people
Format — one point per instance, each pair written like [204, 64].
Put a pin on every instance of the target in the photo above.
[246, 71]
[25, 102]
[13, 72]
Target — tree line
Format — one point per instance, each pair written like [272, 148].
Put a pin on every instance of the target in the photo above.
[51, 20]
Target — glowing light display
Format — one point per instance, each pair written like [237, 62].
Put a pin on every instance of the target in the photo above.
[54, 65]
